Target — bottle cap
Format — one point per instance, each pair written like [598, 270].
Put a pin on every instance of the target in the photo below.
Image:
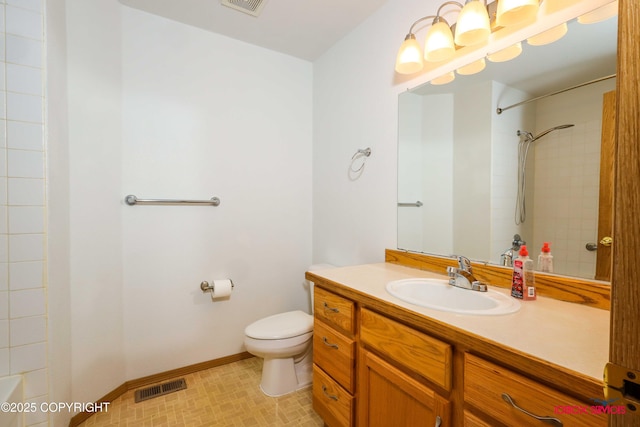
[545, 247]
[523, 250]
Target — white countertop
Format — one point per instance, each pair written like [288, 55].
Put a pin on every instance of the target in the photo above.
[569, 335]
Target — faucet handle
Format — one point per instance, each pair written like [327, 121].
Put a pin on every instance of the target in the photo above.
[464, 263]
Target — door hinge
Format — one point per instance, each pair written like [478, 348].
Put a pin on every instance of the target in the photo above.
[622, 386]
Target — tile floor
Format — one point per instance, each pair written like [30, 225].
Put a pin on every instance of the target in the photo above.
[225, 396]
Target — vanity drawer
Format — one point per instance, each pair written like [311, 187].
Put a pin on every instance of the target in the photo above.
[330, 401]
[334, 309]
[471, 420]
[485, 383]
[413, 349]
[335, 354]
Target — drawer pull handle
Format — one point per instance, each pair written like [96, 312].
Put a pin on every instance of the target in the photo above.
[548, 420]
[332, 309]
[328, 344]
[330, 396]
[438, 421]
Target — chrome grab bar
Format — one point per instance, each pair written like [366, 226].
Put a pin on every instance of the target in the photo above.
[411, 205]
[133, 200]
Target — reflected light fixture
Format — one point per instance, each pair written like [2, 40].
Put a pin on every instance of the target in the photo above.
[472, 68]
[513, 12]
[506, 54]
[444, 79]
[600, 14]
[547, 7]
[549, 36]
[473, 26]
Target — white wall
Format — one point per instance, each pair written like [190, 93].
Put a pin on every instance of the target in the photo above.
[438, 162]
[58, 237]
[472, 171]
[203, 116]
[139, 104]
[355, 105]
[504, 159]
[95, 172]
[567, 176]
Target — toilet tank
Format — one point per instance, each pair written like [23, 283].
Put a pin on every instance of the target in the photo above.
[316, 267]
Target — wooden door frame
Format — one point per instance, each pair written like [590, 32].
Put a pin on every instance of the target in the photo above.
[624, 340]
[605, 198]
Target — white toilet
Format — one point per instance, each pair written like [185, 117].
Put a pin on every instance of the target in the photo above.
[284, 341]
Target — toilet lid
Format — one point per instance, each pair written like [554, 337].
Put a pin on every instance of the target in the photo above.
[280, 326]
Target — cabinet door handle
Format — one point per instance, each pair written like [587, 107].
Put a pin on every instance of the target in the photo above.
[330, 396]
[328, 344]
[332, 309]
[438, 421]
[548, 420]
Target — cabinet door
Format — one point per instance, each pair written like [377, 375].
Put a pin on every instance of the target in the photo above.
[390, 398]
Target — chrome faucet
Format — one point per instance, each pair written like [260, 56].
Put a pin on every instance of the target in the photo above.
[507, 257]
[462, 276]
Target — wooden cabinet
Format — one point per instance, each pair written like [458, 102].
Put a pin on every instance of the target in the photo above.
[390, 398]
[378, 366]
[334, 310]
[427, 356]
[496, 391]
[334, 351]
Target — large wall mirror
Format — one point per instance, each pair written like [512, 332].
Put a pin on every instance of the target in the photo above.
[462, 172]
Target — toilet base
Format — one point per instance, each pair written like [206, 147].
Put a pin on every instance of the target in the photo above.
[286, 375]
[280, 377]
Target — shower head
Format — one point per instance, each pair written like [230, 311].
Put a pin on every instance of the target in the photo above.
[529, 136]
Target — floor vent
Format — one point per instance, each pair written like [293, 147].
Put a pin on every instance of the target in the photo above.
[160, 390]
[251, 7]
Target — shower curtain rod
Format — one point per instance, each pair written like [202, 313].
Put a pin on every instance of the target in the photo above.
[500, 110]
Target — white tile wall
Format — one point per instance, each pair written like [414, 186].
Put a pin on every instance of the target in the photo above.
[567, 174]
[23, 312]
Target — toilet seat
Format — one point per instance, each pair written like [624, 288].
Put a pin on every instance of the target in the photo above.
[281, 326]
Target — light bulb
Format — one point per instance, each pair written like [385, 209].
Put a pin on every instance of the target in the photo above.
[444, 79]
[506, 54]
[473, 25]
[513, 12]
[473, 68]
[549, 36]
[409, 59]
[438, 44]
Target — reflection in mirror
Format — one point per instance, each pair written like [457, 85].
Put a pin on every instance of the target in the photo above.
[458, 158]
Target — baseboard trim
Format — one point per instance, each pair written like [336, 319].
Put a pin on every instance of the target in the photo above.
[160, 377]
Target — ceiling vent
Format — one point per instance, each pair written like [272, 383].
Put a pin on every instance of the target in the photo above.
[250, 7]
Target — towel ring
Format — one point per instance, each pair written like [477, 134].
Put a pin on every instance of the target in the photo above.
[358, 154]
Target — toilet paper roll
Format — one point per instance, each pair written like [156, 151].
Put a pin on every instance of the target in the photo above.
[221, 289]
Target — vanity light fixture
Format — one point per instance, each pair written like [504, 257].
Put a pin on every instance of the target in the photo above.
[444, 79]
[438, 44]
[549, 36]
[506, 54]
[409, 59]
[514, 12]
[473, 26]
[472, 68]
[600, 14]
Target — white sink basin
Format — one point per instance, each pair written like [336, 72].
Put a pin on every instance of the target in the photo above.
[439, 295]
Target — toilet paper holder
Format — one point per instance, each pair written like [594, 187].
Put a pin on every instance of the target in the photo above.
[205, 286]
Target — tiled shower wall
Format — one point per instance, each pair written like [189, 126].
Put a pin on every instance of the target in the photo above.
[23, 311]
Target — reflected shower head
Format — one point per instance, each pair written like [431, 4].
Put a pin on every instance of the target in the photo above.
[529, 136]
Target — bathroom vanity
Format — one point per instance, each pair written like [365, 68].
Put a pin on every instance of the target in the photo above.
[381, 361]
